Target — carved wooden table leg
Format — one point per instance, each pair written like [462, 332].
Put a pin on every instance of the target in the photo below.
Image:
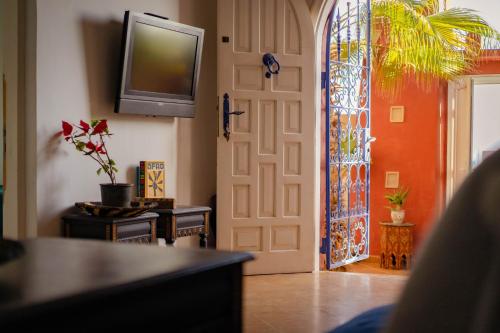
[203, 240]
[170, 239]
[153, 231]
[204, 235]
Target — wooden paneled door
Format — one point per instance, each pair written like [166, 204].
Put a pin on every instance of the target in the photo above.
[265, 172]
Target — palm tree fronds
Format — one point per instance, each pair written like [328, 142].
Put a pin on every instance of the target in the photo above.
[417, 37]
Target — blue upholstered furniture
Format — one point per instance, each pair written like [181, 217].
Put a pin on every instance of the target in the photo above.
[371, 321]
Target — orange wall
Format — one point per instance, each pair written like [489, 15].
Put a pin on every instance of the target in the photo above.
[416, 148]
[490, 63]
[413, 149]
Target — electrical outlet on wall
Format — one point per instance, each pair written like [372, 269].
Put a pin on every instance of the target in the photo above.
[397, 114]
[392, 179]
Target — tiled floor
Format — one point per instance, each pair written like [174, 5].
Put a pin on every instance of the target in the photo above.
[371, 266]
[313, 302]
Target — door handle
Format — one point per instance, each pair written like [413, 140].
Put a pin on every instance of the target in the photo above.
[272, 65]
[370, 140]
[225, 115]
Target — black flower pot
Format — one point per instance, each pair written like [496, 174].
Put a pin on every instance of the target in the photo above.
[116, 195]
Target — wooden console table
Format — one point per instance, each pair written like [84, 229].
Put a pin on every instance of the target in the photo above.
[396, 245]
[94, 286]
[139, 229]
[183, 221]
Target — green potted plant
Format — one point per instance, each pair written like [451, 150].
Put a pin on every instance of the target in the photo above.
[397, 199]
[89, 139]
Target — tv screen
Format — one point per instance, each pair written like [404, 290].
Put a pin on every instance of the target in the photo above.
[160, 67]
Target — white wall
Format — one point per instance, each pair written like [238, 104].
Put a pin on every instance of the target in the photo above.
[485, 121]
[488, 9]
[78, 45]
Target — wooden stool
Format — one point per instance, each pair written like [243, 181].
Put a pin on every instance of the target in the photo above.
[396, 245]
[183, 221]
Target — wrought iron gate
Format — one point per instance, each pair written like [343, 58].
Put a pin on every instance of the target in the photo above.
[348, 133]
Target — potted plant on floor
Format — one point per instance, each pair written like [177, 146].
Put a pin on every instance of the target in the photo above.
[397, 200]
[89, 139]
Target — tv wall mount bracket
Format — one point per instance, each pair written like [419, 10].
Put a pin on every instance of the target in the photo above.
[158, 16]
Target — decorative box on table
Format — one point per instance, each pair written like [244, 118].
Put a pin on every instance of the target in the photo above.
[139, 229]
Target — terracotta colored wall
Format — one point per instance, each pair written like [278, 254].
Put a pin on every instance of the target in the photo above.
[413, 149]
[490, 63]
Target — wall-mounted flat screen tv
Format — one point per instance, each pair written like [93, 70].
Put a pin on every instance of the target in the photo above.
[160, 66]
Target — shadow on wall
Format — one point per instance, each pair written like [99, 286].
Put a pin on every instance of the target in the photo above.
[101, 41]
[102, 48]
[51, 149]
[197, 150]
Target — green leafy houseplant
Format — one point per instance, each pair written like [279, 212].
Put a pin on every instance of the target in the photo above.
[398, 198]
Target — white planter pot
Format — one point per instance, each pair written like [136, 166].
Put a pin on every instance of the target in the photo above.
[397, 216]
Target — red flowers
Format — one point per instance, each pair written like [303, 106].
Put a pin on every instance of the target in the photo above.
[101, 127]
[98, 127]
[100, 149]
[67, 128]
[90, 145]
[84, 126]
[84, 136]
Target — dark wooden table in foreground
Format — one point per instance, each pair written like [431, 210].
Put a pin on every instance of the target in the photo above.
[81, 285]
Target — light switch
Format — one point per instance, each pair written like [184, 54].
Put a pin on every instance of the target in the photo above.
[397, 114]
[392, 179]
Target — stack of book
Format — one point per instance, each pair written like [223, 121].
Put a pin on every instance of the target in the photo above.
[150, 184]
[150, 179]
